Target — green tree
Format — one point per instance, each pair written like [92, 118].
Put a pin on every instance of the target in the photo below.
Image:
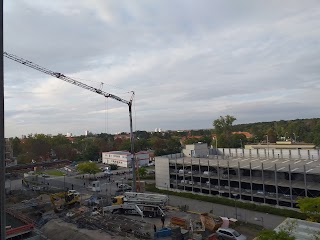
[16, 146]
[268, 234]
[285, 232]
[142, 171]
[223, 125]
[310, 206]
[88, 168]
[113, 166]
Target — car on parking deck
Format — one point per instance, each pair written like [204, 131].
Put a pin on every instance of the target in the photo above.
[229, 234]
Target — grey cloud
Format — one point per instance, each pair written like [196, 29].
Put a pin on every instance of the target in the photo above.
[188, 62]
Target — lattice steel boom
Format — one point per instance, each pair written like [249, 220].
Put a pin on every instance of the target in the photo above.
[85, 86]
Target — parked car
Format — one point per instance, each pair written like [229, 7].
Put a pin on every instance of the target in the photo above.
[124, 187]
[260, 192]
[229, 234]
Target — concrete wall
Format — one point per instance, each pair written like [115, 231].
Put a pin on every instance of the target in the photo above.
[196, 150]
[273, 153]
[162, 172]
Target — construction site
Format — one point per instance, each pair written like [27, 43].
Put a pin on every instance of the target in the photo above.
[38, 212]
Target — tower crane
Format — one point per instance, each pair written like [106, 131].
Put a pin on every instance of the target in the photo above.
[92, 89]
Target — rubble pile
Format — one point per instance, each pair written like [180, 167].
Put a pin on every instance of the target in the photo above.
[114, 225]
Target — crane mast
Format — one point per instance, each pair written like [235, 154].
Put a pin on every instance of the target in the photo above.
[92, 89]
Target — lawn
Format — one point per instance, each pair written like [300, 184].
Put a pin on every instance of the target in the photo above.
[54, 172]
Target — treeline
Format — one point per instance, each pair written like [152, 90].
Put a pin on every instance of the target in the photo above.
[300, 130]
[41, 147]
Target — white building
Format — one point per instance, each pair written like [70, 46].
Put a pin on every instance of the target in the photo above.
[123, 158]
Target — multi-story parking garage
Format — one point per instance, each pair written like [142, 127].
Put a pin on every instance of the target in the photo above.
[276, 181]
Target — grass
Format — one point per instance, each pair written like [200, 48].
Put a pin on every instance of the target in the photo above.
[54, 172]
[230, 202]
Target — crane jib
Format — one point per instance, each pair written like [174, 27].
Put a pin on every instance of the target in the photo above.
[63, 77]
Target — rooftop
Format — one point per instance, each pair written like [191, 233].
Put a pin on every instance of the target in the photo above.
[282, 164]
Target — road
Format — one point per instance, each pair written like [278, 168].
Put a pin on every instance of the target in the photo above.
[267, 220]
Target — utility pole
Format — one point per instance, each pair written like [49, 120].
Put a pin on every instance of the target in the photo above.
[2, 143]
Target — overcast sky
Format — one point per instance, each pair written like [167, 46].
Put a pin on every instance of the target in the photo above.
[187, 61]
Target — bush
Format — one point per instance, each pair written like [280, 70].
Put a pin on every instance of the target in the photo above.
[113, 166]
[230, 202]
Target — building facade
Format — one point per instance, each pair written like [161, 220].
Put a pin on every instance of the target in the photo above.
[196, 150]
[124, 158]
[271, 179]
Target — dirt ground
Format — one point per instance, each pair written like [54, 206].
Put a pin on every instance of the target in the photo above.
[57, 229]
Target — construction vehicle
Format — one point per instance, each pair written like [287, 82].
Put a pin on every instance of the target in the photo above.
[143, 204]
[138, 198]
[62, 200]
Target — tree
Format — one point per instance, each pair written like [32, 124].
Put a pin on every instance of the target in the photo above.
[16, 146]
[113, 166]
[268, 234]
[223, 125]
[88, 168]
[142, 172]
[310, 206]
[285, 232]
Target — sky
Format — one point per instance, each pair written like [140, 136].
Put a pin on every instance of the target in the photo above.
[187, 61]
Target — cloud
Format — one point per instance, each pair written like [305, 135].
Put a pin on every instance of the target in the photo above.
[188, 63]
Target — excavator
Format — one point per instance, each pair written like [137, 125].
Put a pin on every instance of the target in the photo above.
[63, 200]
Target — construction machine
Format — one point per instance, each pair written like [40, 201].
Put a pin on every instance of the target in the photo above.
[62, 200]
[145, 198]
[143, 204]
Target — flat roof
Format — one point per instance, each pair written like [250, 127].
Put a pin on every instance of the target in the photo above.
[282, 164]
[303, 230]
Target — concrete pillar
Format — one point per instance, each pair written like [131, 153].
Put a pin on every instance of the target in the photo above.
[289, 153]
[263, 187]
[251, 182]
[290, 185]
[209, 178]
[281, 153]
[200, 176]
[229, 180]
[184, 177]
[276, 183]
[239, 173]
[176, 171]
[192, 176]
[218, 170]
[250, 155]
[272, 151]
[305, 181]
[309, 154]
